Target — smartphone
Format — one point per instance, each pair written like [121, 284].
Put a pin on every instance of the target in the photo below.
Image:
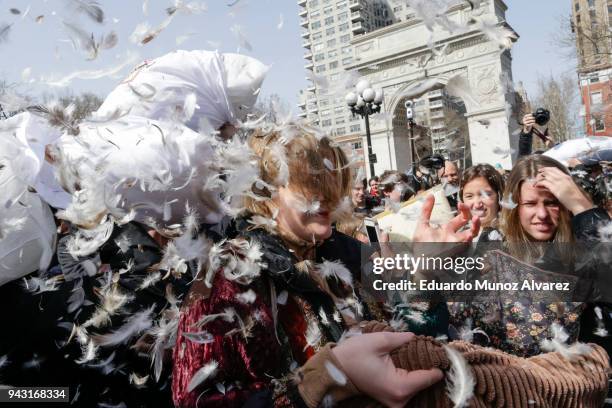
[372, 230]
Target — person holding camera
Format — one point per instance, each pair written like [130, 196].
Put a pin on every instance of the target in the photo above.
[532, 122]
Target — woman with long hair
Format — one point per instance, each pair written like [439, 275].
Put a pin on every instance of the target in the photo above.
[283, 291]
[482, 189]
[543, 213]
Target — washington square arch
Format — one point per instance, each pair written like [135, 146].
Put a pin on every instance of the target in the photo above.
[398, 59]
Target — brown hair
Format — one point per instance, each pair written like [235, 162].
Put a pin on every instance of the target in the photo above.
[487, 172]
[390, 178]
[315, 166]
[516, 237]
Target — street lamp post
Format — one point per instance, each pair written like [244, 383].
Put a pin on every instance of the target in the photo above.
[364, 102]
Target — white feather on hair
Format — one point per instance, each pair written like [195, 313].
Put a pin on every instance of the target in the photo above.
[279, 155]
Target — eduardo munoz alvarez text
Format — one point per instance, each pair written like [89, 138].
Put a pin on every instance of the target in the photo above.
[457, 264]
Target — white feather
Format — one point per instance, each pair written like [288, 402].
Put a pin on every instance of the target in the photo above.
[558, 344]
[343, 210]
[281, 22]
[190, 106]
[279, 155]
[460, 380]
[335, 373]
[135, 325]
[246, 297]
[601, 332]
[497, 33]
[263, 222]
[4, 361]
[209, 370]
[139, 382]
[282, 297]
[508, 203]
[313, 335]
[337, 270]
[238, 31]
[202, 337]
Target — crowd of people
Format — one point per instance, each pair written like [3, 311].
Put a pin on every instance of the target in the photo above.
[190, 267]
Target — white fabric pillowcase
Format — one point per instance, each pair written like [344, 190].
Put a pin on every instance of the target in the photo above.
[224, 88]
[153, 167]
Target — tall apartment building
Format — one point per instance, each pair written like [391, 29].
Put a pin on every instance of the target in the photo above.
[591, 24]
[329, 26]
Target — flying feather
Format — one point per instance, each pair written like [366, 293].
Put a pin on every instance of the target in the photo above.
[135, 325]
[90, 8]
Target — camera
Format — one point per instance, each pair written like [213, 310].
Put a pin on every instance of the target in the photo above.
[409, 112]
[433, 162]
[542, 116]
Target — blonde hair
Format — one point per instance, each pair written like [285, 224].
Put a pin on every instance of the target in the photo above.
[516, 237]
[314, 164]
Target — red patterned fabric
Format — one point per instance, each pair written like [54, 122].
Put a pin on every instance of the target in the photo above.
[245, 365]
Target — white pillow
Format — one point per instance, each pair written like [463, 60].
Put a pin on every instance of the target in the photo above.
[225, 88]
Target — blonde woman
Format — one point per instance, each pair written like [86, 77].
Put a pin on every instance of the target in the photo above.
[282, 293]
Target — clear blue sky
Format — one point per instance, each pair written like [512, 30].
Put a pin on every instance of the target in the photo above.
[42, 46]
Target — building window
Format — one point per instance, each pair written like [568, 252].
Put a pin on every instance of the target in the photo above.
[355, 128]
[317, 36]
[329, 20]
[323, 103]
[313, 3]
[333, 65]
[346, 50]
[338, 110]
[326, 122]
[341, 5]
[320, 68]
[314, 15]
[357, 145]
[331, 43]
[332, 54]
[577, 6]
[591, 3]
[347, 61]
[345, 38]
[318, 47]
[325, 112]
[335, 77]
[594, 79]
[343, 27]
[330, 31]
[341, 131]
[599, 124]
[596, 98]
[343, 16]
[396, 9]
[328, 10]
[340, 121]
[319, 57]
[315, 25]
